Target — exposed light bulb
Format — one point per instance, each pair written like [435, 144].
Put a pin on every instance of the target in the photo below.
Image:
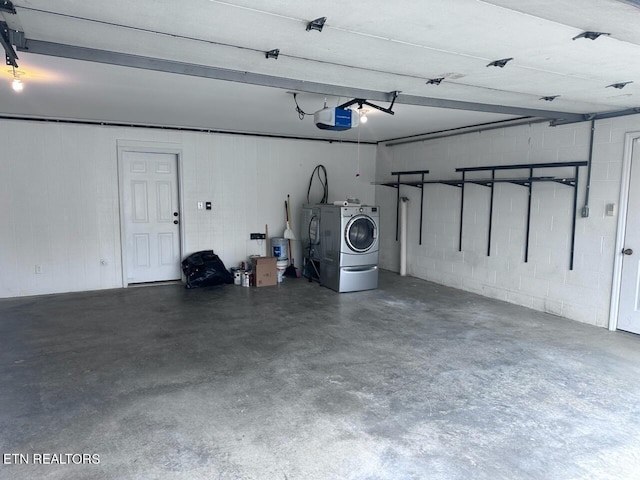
[363, 114]
[17, 85]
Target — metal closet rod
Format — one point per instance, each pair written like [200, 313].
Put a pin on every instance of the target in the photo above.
[490, 182]
[522, 166]
[480, 181]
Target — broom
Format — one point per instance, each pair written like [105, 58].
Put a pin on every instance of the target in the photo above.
[288, 233]
[290, 271]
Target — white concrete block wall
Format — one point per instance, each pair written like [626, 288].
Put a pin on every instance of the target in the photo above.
[544, 283]
[60, 199]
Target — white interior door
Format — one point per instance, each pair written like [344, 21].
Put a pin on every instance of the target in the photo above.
[629, 310]
[151, 216]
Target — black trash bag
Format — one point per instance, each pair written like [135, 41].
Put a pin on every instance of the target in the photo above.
[205, 269]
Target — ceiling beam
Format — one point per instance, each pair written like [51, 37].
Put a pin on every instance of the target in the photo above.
[599, 116]
[181, 68]
[450, 132]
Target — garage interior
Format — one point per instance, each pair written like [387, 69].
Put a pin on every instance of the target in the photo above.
[500, 148]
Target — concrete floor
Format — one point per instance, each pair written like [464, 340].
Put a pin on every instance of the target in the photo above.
[411, 381]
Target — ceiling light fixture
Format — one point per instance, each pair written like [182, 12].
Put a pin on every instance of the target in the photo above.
[549, 98]
[500, 63]
[619, 85]
[17, 84]
[435, 81]
[363, 114]
[316, 24]
[590, 35]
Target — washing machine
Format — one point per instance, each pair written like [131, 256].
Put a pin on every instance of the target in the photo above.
[349, 247]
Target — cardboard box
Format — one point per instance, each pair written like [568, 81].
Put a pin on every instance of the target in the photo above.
[264, 271]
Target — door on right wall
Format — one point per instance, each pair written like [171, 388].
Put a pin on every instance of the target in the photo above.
[629, 310]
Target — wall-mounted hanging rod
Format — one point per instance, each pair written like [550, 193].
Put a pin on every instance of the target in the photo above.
[527, 181]
[417, 184]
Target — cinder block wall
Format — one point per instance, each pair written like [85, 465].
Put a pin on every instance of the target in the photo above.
[545, 282]
[60, 199]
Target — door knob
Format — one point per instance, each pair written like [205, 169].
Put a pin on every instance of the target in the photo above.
[175, 214]
[627, 251]
[175, 222]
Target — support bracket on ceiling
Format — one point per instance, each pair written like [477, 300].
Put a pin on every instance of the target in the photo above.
[500, 63]
[619, 85]
[5, 41]
[272, 53]
[362, 101]
[7, 7]
[590, 35]
[316, 24]
[17, 38]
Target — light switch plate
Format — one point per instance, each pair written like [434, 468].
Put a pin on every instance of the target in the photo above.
[200, 205]
[610, 211]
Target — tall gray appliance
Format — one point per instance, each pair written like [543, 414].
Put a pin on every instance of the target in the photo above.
[348, 247]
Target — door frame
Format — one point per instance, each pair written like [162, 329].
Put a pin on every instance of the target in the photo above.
[146, 147]
[623, 205]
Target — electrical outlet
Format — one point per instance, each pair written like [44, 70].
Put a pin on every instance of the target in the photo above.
[257, 236]
[38, 269]
[585, 211]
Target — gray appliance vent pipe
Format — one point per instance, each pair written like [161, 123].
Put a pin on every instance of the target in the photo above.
[585, 209]
[403, 236]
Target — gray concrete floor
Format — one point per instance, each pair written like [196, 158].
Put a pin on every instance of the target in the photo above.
[296, 382]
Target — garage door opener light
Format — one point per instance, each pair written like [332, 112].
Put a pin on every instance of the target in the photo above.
[363, 114]
[17, 84]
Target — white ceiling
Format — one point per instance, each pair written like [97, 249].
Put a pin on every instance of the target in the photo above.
[372, 45]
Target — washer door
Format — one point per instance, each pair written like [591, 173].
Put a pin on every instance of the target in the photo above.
[360, 233]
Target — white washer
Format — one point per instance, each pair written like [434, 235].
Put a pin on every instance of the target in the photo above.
[349, 247]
